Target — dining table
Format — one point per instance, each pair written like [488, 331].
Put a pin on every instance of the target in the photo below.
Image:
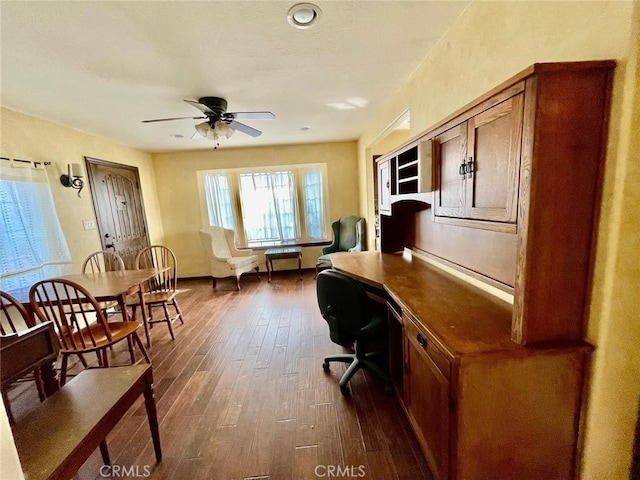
[106, 287]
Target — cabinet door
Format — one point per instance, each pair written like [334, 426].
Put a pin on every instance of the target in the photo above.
[427, 402]
[384, 188]
[493, 147]
[450, 149]
[396, 351]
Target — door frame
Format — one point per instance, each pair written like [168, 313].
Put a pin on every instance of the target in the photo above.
[96, 161]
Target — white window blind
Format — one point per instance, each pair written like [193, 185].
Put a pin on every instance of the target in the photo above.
[32, 245]
[275, 205]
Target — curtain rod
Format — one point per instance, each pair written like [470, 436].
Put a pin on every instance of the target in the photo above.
[35, 164]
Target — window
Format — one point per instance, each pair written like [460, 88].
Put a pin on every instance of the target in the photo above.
[219, 200]
[270, 206]
[32, 244]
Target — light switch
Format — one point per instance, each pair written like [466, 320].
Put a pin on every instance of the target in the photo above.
[89, 224]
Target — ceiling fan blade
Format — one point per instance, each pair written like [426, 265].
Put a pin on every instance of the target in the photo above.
[169, 119]
[251, 115]
[203, 108]
[244, 128]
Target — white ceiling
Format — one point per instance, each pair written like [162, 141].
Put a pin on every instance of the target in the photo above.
[103, 67]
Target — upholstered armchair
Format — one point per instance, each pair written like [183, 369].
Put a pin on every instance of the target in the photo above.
[226, 260]
[348, 236]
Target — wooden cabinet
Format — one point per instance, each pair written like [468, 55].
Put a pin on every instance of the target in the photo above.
[477, 164]
[427, 397]
[494, 390]
[523, 162]
[404, 174]
[451, 151]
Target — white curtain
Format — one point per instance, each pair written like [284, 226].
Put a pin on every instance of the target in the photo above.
[269, 206]
[32, 245]
[314, 203]
[219, 204]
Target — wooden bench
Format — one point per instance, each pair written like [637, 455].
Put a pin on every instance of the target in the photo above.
[60, 434]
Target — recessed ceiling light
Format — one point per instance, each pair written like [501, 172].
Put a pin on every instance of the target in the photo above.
[303, 15]
[177, 135]
[341, 106]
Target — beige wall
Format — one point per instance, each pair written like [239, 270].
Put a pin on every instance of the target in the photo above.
[615, 392]
[32, 138]
[490, 42]
[391, 141]
[176, 179]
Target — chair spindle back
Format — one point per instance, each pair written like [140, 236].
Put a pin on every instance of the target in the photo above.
[161, 257]
[102, 261]
[13, 316]
[72, 309]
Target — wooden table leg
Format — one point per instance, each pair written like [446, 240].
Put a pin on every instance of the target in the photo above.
[269, 261]
[145, 322]
[152, 416]
[300, 265]
[104, 451]
[122, 303]
[49, 379]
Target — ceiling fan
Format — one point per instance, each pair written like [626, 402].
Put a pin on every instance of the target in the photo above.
[219, 122]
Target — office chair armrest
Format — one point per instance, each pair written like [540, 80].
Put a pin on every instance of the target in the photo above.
[377, 324]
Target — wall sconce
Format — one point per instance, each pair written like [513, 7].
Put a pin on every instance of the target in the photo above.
[73, 177]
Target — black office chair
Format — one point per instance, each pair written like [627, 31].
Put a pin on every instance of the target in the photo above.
[354, 321]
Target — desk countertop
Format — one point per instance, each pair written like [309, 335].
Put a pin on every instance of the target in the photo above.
[460, 317]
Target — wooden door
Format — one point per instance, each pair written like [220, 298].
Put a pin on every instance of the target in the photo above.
[450, 149]
[427, 401]
[493, 147]
[119, 208]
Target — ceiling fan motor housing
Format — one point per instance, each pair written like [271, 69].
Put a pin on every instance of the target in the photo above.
[216, 104]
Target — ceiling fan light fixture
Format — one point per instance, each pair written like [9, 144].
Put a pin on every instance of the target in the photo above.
[303, 15]
[219, 129]
[223, 130]
[203, 129]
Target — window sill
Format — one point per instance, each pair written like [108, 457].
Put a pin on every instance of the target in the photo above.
[299, 243]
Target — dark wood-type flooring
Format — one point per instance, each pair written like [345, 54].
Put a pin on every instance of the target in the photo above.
[241, 394]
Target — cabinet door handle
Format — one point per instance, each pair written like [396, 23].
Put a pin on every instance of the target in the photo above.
[421, 340]
[469, 167]
[388, 184]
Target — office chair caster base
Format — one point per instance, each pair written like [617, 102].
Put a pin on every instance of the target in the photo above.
[325, 366]
[344, 390]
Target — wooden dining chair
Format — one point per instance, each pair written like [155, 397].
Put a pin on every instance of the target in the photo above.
[14, 318]
[80, 323]
[103, 261]
[161, 289]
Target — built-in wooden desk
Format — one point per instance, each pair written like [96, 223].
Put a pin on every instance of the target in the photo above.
[481, 405]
